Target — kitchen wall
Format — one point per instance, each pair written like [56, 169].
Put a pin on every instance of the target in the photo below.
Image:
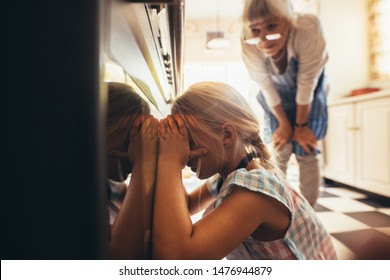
[345, 27]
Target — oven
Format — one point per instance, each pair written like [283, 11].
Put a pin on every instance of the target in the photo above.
[55, 104]
[146, 39]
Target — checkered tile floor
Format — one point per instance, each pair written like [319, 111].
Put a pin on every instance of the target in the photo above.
[359, 223]
[356, 221]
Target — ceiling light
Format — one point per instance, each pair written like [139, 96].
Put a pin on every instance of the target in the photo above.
[216, 40]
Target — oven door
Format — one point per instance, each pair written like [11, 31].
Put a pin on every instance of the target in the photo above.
[146, 39]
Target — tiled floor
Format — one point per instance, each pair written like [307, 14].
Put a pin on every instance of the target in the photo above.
[359, 223]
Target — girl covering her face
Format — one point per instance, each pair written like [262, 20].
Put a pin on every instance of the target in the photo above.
[252, 212]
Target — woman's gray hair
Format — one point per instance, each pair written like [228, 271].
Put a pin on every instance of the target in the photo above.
[257, 10]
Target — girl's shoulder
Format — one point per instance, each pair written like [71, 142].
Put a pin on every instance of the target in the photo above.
[259, 181]
[255, 179]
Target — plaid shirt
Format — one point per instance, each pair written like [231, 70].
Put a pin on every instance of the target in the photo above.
[306, 237]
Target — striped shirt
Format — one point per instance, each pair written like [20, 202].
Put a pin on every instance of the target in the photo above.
[306, 237]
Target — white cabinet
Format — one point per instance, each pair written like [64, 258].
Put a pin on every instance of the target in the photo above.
[339, 145]
[357, 145]
[373, 145]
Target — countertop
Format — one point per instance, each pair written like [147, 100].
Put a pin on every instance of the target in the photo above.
[358, 98]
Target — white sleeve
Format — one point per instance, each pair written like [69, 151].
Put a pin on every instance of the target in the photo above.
[254, 61]
[310, 47]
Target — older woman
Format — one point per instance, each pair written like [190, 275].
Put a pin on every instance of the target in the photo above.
[285, 54]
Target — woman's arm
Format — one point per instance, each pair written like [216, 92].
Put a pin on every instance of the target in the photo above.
[302, 133]
[284, 131]
[254, 62]
[310, 48]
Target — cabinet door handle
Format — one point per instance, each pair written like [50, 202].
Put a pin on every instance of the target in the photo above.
[355, 128]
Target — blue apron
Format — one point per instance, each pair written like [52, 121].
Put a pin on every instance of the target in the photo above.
[286, 86]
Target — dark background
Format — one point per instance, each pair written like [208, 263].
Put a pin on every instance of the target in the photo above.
[52, 110]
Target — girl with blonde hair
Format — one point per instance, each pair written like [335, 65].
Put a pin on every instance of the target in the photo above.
[285, 54]
[252, 212]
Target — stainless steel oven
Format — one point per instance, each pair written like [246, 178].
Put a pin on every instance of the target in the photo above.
[146, 39]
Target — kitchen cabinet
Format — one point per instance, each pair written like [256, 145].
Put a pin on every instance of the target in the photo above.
[357, 145]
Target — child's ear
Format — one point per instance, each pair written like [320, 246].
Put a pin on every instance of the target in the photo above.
[229, 134]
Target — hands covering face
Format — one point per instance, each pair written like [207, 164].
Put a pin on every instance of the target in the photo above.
[168, 139]
[174, 141]
[143, 141]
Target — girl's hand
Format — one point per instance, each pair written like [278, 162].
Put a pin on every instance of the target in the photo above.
[282, 135]
[143, 141]
[305, 138]
[173, 141]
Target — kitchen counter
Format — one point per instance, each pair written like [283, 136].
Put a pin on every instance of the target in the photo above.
[368, 96]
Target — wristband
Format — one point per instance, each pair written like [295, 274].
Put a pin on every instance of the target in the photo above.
[301, 124]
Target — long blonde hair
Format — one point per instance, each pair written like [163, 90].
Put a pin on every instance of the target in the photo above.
[206, 106]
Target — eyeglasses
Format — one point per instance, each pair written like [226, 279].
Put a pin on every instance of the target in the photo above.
[257, 40]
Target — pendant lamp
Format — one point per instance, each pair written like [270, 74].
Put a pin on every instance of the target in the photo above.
[216, 40]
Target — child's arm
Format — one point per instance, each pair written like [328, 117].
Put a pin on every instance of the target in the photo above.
[130, 232]
[218, 233]
[199, 199]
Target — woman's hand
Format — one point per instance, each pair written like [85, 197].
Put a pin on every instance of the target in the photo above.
[305, 138]
[282, 135]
